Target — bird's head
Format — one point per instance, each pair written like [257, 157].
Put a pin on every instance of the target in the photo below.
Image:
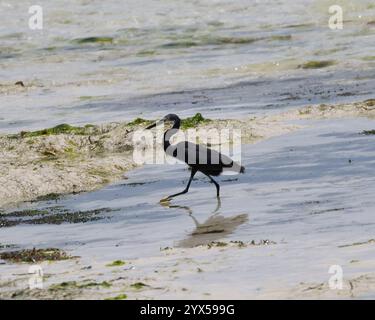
[167, 120]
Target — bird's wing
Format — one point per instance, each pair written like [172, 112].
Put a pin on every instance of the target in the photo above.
[192, 154]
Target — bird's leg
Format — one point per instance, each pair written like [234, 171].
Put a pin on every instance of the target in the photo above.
[216, 185]
[195, 221]
[193, 172]
[218, 206]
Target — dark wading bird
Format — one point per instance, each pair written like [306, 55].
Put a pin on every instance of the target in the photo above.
[197, 157]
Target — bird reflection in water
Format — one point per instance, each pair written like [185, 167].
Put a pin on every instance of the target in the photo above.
[214, 228]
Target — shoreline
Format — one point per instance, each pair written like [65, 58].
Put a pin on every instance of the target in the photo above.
[39, 166]
[305, 205]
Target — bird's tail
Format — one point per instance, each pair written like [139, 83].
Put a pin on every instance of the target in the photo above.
[234, 167]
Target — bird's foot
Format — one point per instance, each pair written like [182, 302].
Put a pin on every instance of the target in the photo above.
[165, 201]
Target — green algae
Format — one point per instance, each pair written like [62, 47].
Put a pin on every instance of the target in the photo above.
[281, 38]
[66, 285]
[217, 244]
[53, 215]
[230, 40]
[137, 184]
[368, 132]
[179, 44]
[371, 241]
[59, 129]
[190, 122]
[48, 197]
[103, 284]
[208, 41]
[27, 213]
[85, 98]
[194, 121]
[139, 121]
[69, 217]
[90, 129]
[35, 255]
[146, 53]
[86, 40]
[116, 263]
[317, 64]
[369, 58]
[299, 25]
[138, 285]
[63, 285]
[52, 48]
[119, 297]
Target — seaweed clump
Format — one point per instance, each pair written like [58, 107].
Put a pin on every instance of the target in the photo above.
[192, 122]
[47, 197]
[59, 129]
[116, 263]
[317, 64]
[93, 40]
[35, 255]
[75, 285]
[370, 102]
[119, 297]
[138, 285]
[53, 215]
[368, 132]
[139, 121]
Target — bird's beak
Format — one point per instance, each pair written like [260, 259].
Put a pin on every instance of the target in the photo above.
[155, 124]
[151, 126]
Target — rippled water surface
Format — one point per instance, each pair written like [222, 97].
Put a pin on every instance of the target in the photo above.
[97, 61]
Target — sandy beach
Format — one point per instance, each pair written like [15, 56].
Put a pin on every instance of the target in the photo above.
[40, 165]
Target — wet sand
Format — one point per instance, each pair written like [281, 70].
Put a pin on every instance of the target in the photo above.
[33, 167]
[304, 204]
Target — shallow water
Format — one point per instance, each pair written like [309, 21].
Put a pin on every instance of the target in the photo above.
[98, 61]
[309, 199]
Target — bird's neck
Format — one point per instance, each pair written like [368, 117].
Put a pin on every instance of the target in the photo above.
[167, 137]
[176, 124]
[171, 132]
